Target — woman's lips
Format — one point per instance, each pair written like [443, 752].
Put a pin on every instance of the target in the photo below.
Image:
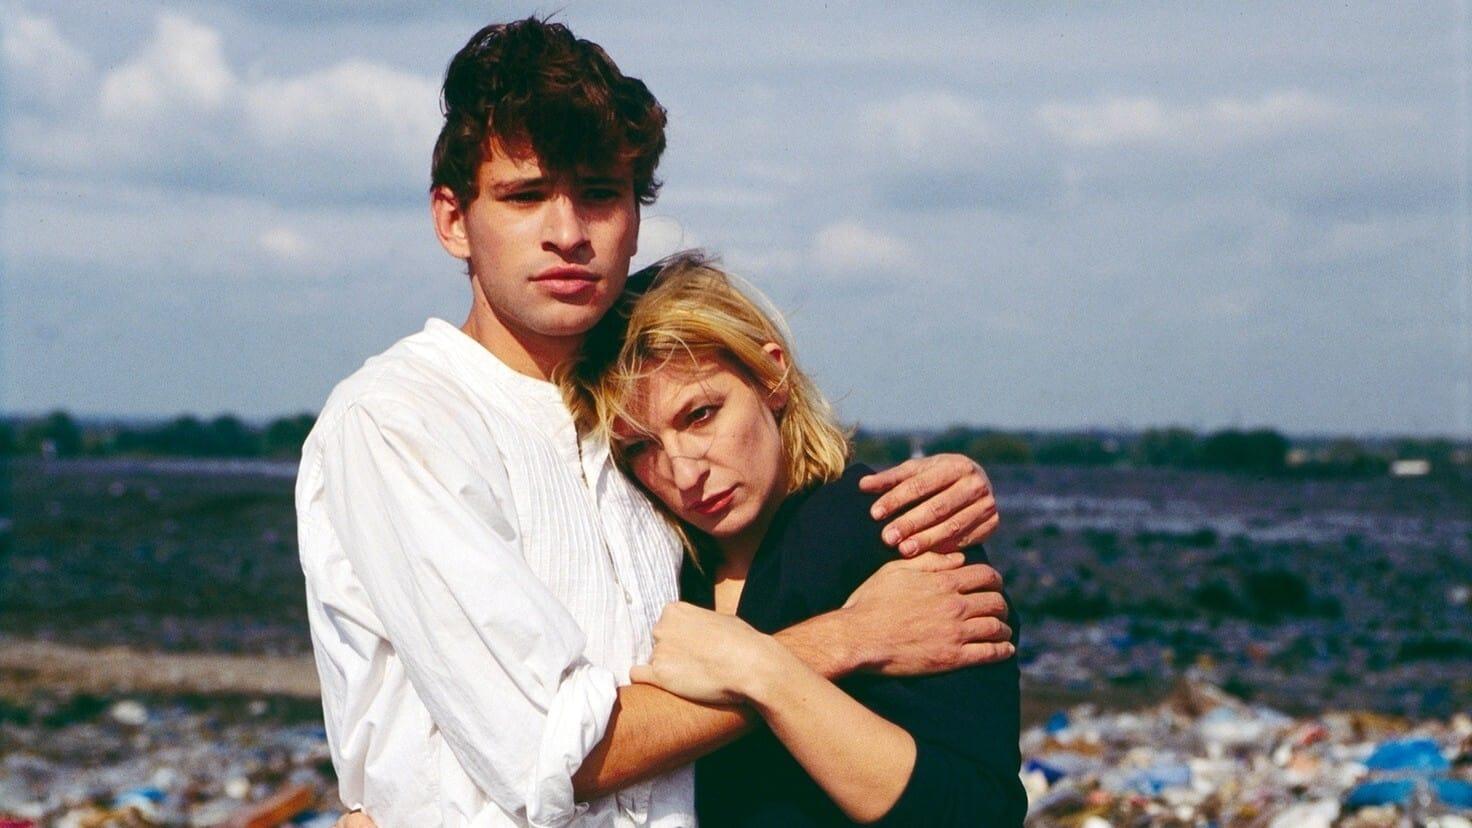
[714, 503]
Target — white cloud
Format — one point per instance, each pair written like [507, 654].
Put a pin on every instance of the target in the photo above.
[932, 126]
[359, 113]
[182, 69]
[850, 247]
[285, 244]
[1142, 120]
[177, 113]
[41, 66]
[659, 236]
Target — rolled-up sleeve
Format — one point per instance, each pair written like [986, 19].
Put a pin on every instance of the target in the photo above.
[495, 658]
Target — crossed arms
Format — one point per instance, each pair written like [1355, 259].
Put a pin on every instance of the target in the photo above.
[496, 660]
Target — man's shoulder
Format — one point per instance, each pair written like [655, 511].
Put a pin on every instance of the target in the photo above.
[411, 385]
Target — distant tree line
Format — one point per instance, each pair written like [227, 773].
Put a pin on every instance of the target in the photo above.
[1260, 451]
[58, 434]
[1257, 451]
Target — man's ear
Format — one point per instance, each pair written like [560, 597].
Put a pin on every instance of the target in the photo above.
[777, 399]
[449, 222]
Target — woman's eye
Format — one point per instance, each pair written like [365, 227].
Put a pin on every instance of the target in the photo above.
[702, 414]
[634, 448]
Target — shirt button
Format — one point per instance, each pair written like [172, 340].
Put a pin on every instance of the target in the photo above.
[628, 599]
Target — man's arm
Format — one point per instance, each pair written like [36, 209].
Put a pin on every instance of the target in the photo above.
[914, 616]
[946, 500]
[431, 558]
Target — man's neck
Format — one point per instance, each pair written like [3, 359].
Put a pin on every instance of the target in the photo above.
[523, 352]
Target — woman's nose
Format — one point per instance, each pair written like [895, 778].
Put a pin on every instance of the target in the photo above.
[688, 472]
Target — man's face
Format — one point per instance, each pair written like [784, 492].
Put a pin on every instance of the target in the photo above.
[549, 251]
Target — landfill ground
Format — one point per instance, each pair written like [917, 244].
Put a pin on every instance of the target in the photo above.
[1199, 648]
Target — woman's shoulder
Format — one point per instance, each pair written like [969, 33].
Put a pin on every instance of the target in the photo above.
[831, 524]
[839, 497]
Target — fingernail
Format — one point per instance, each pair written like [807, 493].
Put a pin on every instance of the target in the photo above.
[877, 512]
[891, 535]
[909, 547]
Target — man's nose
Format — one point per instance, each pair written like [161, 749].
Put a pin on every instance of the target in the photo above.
[563, 227]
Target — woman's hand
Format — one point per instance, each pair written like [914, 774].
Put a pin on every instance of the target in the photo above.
[947, 502]
[705, 656]
[354, 819]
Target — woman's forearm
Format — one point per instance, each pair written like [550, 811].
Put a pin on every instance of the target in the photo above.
[860, 759]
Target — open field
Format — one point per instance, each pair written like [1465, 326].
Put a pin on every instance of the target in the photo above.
[1351, 592]
[153, 635]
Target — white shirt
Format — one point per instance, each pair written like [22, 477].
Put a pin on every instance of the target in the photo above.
[479, 582]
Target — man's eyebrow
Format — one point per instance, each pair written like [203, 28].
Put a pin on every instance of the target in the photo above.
[510, 186]
[602, 180]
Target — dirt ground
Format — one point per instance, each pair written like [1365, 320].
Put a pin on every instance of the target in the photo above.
[30, 666]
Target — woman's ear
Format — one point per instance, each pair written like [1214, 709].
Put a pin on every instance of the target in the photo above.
[777, 399]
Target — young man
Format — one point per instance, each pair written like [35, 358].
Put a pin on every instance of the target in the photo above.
[480, 578]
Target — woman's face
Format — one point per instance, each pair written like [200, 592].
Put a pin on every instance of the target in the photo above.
[714, 455]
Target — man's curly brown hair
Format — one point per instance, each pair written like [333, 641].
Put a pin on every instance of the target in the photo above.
[533, 85]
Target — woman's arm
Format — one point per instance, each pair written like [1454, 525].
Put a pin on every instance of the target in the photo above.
[946, 756]
[861, 760]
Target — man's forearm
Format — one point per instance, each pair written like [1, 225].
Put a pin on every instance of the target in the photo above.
[652, 731]
[826, 643]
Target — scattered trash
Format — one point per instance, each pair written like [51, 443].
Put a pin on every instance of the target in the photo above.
[129, 712]
[1384, 792]
[1419, 755]
[275, 809]
[201, 764]
[1205, 758]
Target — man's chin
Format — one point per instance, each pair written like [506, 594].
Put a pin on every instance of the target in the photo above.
[571, 321]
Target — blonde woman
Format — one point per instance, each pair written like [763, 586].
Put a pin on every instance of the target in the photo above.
[695, 385]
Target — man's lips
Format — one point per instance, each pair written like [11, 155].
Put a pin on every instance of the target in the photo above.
[714, 503]
[566, 281]
[564, 273]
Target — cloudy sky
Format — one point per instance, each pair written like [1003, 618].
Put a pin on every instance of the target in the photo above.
[1085, 215]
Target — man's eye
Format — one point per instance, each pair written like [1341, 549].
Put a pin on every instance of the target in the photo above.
[602, 194]
[524, 197]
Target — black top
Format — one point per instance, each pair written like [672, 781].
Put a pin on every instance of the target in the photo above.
[821, 546]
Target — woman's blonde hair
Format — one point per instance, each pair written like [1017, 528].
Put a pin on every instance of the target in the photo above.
[684, 307]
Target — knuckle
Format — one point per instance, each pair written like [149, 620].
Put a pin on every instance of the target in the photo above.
[935, 511]
[910, 489]
[905, 526]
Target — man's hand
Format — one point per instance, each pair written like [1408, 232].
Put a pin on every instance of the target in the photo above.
[930, 614]
[704, 656]
[947, 502]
